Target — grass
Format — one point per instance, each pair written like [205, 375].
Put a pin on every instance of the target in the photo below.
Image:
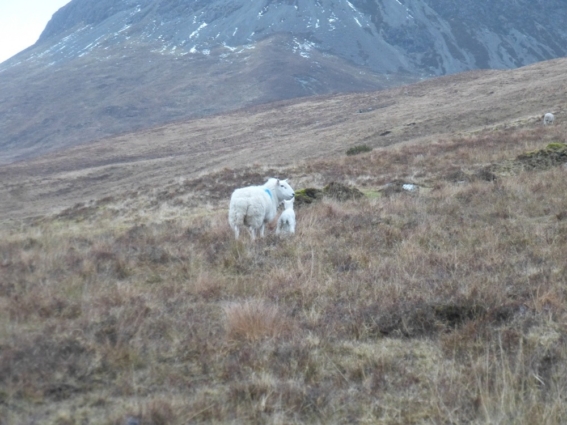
[443, 307]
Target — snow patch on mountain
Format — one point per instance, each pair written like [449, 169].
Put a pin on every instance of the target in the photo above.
[420, 37]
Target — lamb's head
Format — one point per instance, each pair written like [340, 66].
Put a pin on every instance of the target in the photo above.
[288, 204]
[283, 190]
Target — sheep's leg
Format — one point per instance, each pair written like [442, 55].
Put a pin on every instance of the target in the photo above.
[236, 232]
[262, 228]
[252, 233]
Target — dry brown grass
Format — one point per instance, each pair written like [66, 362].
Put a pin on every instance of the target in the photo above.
[254, 319]
[446, 306]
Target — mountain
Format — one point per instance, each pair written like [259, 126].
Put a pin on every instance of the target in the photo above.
[106, 67]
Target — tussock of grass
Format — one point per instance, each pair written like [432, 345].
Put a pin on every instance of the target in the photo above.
[253, 319]
[443, 307]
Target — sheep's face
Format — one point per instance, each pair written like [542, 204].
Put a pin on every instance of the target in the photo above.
[284, 190]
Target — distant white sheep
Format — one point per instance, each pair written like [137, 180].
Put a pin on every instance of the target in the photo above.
[254, 206]
[548, 118]
[286, 222]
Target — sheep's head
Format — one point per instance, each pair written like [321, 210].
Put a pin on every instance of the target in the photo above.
[284, 191]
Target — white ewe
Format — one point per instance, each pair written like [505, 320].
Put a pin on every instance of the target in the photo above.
[286, 222]
[548, 118]
[254, 206]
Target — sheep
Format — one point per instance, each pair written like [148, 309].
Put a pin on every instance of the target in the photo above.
[548, 118]
[286, 222]
[254, 206]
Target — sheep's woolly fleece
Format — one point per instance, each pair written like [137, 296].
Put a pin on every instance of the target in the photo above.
[254, 206]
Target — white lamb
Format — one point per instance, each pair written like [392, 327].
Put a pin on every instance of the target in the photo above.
[286, 222]
[254, 206]
[548, 118]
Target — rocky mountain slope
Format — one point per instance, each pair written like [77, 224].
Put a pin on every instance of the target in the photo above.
[105, 67]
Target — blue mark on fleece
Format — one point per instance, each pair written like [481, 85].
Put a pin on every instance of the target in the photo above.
[268, 192]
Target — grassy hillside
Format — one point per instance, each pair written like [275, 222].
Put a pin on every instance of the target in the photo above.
[445, 304]
[284, 134]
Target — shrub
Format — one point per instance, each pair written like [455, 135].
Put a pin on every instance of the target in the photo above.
[355, 150]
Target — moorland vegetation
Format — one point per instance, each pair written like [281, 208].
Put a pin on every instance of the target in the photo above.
[446, 304]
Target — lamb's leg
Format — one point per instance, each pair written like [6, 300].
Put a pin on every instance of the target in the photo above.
[262, 227]
[236, 232]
